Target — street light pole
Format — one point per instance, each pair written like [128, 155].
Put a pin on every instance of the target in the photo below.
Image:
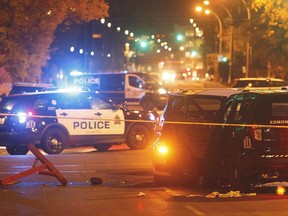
[206, 11]
[220, 29]
[248, 39]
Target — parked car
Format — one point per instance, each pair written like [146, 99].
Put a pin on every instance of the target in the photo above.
[258, 82]
[54, 120]
[186, 127]
[24, 87]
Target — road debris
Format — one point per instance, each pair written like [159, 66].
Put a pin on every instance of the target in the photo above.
[216, 194]
[96, 180]
[141, 194]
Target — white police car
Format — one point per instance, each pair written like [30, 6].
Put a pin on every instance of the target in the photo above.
[57, 119]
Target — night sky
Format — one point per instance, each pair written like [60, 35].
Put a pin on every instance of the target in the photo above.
[151, 16]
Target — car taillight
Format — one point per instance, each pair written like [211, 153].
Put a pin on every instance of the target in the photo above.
[256, 133]
[161, 147]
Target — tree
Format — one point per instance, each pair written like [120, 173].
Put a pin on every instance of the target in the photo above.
[27, 30]
[270, 33]
[273, 12]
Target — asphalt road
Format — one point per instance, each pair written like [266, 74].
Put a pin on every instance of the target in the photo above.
[127, 188]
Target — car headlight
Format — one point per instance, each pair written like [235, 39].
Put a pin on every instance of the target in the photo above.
[162, 91]
[22, 117]
[152, 117]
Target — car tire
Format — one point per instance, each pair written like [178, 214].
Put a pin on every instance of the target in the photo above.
[17, 150]
[102, 147]
[138, 137]
[147, 104]
[54, 141]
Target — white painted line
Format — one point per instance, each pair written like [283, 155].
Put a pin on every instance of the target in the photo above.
[194, 210]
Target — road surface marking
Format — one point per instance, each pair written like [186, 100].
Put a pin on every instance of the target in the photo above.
[194, 210]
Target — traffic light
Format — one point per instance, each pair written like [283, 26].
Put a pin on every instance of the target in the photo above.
[180, 37]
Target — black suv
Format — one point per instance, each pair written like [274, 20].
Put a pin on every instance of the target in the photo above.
[258, 82]
[253, 143]
[57, 119]
[186, 127]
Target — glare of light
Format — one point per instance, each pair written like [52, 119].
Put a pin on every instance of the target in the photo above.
[131, 34]
[126, 32]
[102, 20]
[49, 12]
[108, 55]
[182, 48]
[158, 51]
[207, 11]
[197, 29]
[118, 29]
[81, 51]
[194, 25]
[152, 36]
[179, 37]
[224, 59]
[162, 91]
[22, 117]
[159, 40]
[191, 21]
[162, 149]
[193, 53]
[60, 75]
[75, 73]
[72, 49]
[109, 25]
[198, 9]
[143, 44]
[170, 49]
[281, 190]
[165, 47]
[206, 2]
[92, 53]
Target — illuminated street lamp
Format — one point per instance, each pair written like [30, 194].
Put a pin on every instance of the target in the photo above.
[206, 11]
[207, 2]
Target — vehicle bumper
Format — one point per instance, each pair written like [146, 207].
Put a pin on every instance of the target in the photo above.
[264, 165]
[7, 139]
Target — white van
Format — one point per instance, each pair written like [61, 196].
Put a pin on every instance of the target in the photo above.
[132, 88]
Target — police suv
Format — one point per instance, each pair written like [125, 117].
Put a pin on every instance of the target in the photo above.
[253, 144]
[133, 88]
[58, 119]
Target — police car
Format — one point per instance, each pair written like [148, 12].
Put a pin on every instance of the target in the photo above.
[253, 147]
[58, 119]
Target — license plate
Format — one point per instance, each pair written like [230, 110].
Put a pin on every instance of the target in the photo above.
[2, 121]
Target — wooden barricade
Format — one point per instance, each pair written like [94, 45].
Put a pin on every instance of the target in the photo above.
[46, 164]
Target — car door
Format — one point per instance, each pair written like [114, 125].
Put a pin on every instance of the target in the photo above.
[91, 117]
[134, 89]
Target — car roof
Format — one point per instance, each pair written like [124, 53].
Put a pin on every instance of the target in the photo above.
[221, 92]
[267, 91]
[259, 79]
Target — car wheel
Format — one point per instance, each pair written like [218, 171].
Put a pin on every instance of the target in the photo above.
[102, 147]
[138, 137]
[54, 141]
[148, 104]
[17, 150]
